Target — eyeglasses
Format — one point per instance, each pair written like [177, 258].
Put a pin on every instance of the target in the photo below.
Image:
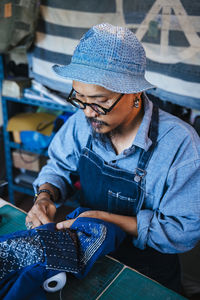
[96, 107]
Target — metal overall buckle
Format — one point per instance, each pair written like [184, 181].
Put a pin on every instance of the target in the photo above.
[139, 174]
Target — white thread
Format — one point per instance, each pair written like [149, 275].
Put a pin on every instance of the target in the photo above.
[59, 280]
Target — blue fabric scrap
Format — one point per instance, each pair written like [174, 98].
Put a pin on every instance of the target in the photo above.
[28, 258]
[96, 238]
[61, 251]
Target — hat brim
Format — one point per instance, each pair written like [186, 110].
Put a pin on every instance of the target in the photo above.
[116, 82]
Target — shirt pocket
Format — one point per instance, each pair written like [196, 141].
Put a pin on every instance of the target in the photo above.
[121, 204]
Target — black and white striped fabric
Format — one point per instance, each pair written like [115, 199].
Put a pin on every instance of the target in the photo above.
[168, 30]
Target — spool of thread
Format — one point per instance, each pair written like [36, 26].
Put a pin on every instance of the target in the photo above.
[55, 283]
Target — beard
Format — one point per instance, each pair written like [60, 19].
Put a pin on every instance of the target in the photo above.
[102, 137]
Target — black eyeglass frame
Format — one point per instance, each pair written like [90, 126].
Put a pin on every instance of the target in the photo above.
[94, 106]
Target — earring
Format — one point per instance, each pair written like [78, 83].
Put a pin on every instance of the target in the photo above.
[136, 102]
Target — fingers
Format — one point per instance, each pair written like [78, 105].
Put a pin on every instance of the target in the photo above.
[41, 213]
[37, 219]
[90, 214]
[34, 220]
[65, 224]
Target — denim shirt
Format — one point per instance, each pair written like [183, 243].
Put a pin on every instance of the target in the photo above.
[170, 218]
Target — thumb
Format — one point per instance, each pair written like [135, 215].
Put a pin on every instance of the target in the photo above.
[65, 224]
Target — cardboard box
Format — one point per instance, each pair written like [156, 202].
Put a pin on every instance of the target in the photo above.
[28, 161]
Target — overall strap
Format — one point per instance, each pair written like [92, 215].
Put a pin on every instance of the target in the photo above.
[146, 155]
[153, 131]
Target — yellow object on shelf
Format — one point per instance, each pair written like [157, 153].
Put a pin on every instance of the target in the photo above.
[40, 121]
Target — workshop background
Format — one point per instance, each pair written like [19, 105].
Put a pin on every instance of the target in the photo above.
[34, 35]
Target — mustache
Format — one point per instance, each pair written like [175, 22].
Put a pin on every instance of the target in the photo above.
[91, 120]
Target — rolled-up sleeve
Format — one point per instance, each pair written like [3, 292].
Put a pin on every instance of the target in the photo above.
[174, 226]
[64, 153]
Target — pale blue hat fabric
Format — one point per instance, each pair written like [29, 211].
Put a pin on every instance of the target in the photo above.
[109, 56]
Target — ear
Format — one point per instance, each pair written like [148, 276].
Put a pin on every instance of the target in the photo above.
[139, 95]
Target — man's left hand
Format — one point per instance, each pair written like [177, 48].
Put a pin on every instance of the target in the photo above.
[127, 223]
[87, 214]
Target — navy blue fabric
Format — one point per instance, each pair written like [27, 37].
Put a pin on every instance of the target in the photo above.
[96, 238]
[28, 258]
[26, 283]
[38, 246]
[60, 250]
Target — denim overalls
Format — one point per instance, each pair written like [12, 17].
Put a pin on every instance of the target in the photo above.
[104, 187]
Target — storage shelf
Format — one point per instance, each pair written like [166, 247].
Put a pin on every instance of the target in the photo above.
[23, 189]
[26, 148]
[9, 144]
[42, 103]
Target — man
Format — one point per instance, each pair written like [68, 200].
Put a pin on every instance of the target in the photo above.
[138, 166]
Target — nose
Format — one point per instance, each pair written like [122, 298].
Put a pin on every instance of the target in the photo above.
[90, 113]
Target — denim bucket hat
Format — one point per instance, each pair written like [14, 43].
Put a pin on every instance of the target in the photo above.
[109, 56]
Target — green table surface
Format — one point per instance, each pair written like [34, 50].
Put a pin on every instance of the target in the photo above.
[111, 280]
[108, 279]
[12, 219]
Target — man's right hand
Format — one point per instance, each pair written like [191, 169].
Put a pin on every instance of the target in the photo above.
[42, 212]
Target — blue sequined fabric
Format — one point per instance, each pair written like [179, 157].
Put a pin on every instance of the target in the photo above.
[96, 234]
[61, 250]
[56, 250]
[73, 250]
[20, 252]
